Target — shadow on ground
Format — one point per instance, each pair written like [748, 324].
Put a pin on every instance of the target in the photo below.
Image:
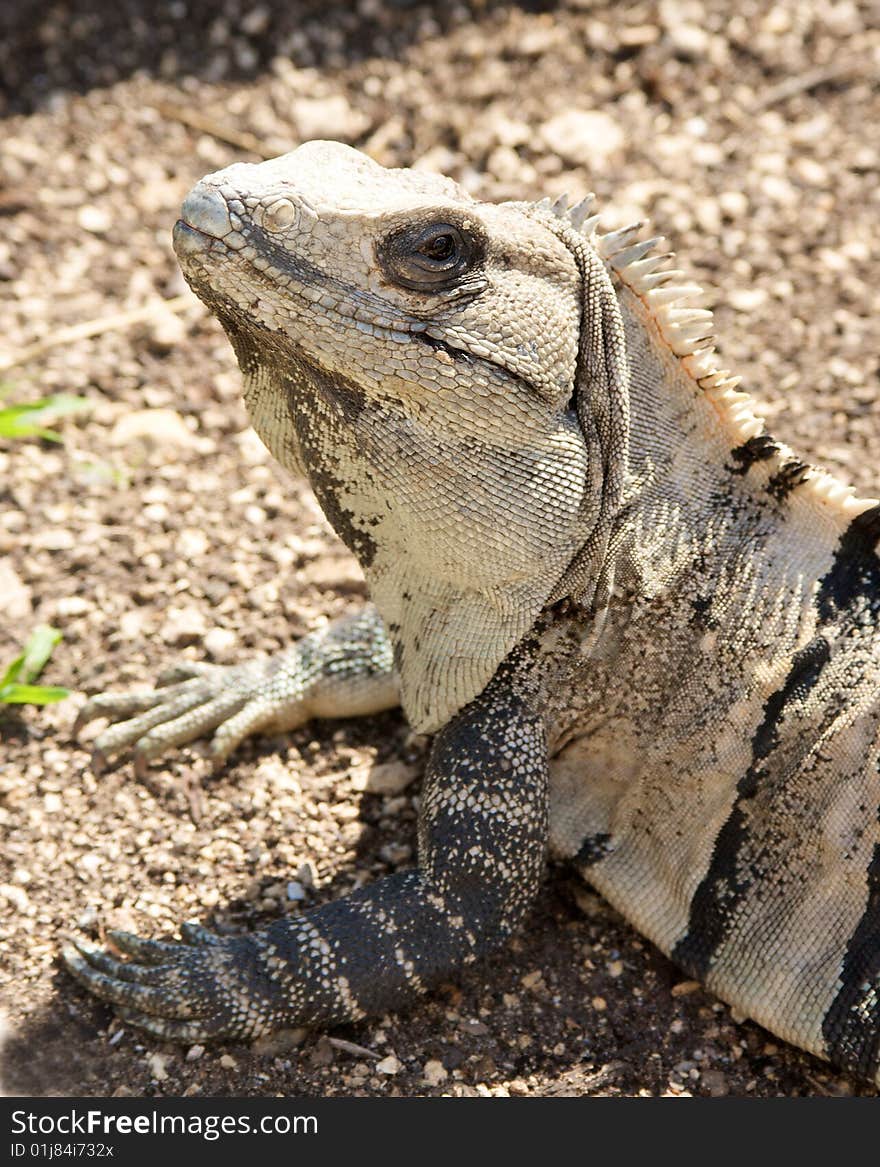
[48, 47]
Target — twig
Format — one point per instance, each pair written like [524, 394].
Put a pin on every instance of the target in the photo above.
[819, 1087]
[812, 79]
[103, 324]
[192, 794]
[351, 1047]
[241, 139]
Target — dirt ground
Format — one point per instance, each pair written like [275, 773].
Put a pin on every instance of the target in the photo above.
[747, 131]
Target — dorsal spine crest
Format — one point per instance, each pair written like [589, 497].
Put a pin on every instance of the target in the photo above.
[688, 332]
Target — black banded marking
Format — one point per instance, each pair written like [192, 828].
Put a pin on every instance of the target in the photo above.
[851, 587]
[792, 474]
[758, 449]
[319, 405]
[850, 593]
[726, 882]
[851, 1027]
[593, 849]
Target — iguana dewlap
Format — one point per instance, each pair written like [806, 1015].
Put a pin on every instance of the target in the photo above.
[643, 632]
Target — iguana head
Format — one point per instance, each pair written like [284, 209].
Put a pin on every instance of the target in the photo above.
[449, 374]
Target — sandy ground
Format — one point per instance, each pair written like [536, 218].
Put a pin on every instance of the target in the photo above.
[160, 528]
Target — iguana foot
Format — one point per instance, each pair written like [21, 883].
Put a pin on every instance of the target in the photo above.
[345, 669]
[205, 989]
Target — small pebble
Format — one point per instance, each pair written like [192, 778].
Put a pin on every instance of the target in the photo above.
[434, 1072]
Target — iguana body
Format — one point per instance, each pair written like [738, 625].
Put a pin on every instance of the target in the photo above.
[644, 633]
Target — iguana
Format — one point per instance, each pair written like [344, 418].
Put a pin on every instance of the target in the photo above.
[643, 632]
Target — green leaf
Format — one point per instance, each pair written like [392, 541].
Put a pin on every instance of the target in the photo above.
[12, 672]
[27, 421]
[60, 405]
[29, 664]
[14, 425]
[32, 694]
[38, 649]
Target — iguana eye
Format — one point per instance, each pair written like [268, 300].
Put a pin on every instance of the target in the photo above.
[440, 247]
[429, 258]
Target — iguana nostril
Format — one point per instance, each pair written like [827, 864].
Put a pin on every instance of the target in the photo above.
[205, 209]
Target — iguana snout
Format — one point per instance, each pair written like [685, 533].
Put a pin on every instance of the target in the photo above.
[204, 214]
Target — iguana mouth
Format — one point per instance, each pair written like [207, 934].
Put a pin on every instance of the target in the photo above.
[457, 354]
[189, 240]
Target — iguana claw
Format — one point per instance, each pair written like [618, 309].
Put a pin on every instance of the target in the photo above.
[189, 991]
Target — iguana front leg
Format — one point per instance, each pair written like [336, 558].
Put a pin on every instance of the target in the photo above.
[482, 839]
[343, 670]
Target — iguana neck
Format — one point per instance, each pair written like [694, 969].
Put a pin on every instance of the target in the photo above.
[719, 535]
